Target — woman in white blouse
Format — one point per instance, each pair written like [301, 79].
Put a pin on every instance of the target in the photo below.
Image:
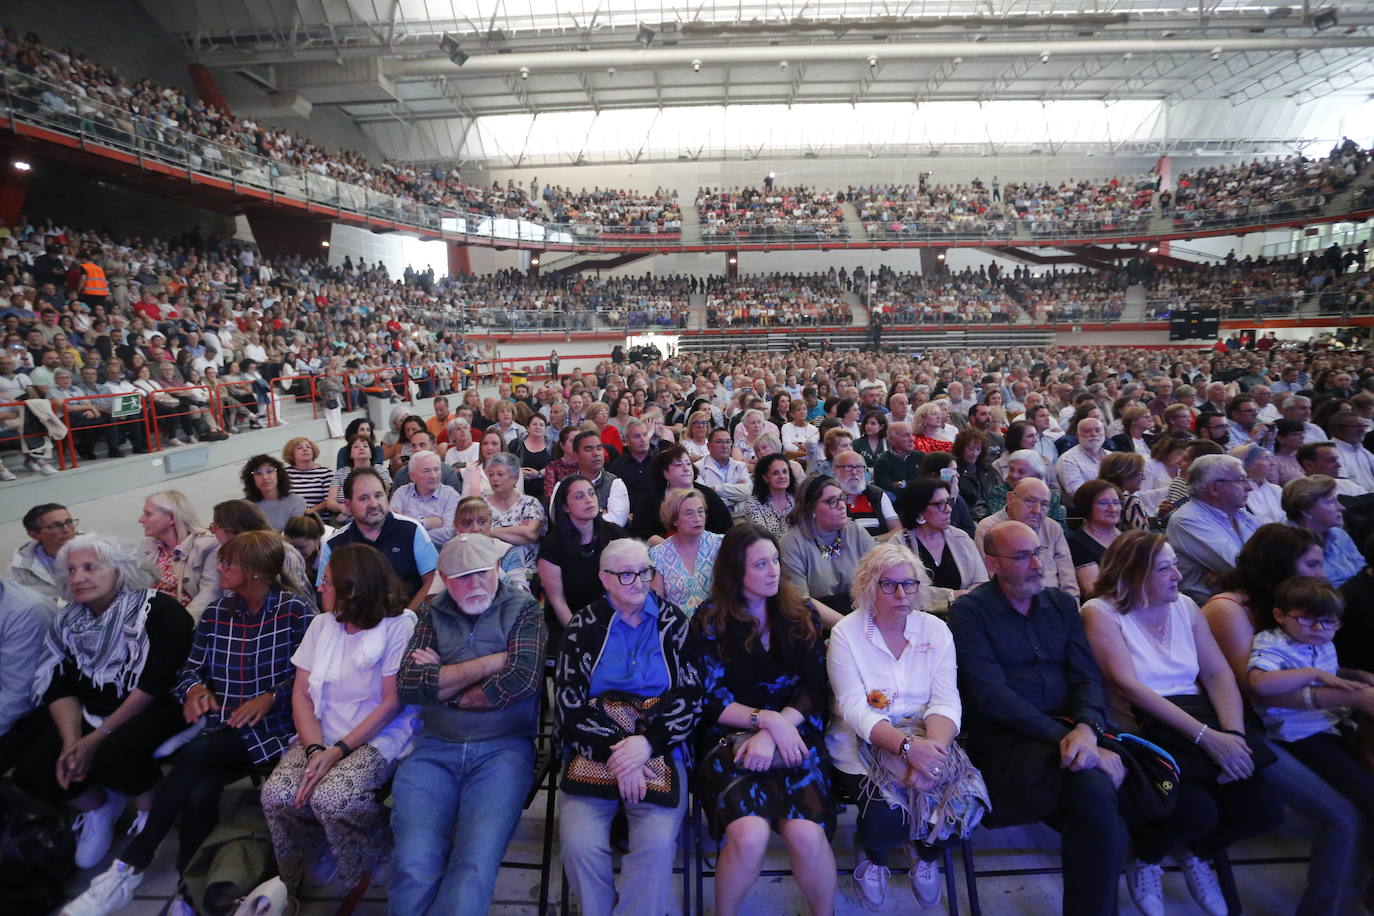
[1265, 501]
[896, 711]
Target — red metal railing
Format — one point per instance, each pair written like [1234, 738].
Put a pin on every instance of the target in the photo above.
[66, 449]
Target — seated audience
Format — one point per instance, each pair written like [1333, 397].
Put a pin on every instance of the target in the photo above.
[627, 698]
[762, 763]
[1099, 506]
[685, 561]
[426, 498]
[948, 555]
[180, 550]
[896, 715]
[1311, 503]
[1027, 503]
[1208, 531]
[34, 564]
[266, 486]
[359, 454]
[774, 496]
[517, 518]
[309, 480]
[821, 551]
[570, 552]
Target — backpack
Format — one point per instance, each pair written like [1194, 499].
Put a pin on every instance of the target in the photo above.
[37, 853]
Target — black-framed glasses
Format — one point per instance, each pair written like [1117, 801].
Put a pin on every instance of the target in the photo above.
[628, 576]
[834, 502]
[59, 526]
[851, 467]
[889, 587]
[1023, 556]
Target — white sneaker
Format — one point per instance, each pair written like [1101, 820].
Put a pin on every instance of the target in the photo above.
[870, 881]
[1202, 884]
[39, 466]
[6, 473]
[140, 821]
[110, 891]
[1143, 880]
[95, 830]
[925, 883]
[175, 442]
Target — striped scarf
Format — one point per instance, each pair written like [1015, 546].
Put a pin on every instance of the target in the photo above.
[110, 648]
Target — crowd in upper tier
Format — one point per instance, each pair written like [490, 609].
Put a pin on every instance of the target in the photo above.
[772, 583]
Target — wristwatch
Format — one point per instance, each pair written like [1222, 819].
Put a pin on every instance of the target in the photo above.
[754, 719]
[906, 746]
[1093, 724]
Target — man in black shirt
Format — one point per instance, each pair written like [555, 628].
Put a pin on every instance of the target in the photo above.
[1024, 667]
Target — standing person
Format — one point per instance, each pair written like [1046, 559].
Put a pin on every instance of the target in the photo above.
[34, 565]
[266, 486]
[896, 714]
[1171, 683]
[181, 550]
[625, 652]
[403, 542]
[236, 682]
[351, 725]
[685, 561]
[106, 675]
[759, 652]
[1024, 662]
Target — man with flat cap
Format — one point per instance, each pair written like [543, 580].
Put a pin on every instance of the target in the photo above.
[473, 669]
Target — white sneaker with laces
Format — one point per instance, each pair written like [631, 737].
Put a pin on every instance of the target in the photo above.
[110, 891]
[95, 830]
[6, 473]
[925, 883]
[1144, 881]
[870, 881]
[1202, 884]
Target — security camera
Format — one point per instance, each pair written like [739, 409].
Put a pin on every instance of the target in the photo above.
[696, 65]
[610, 71]
[524, 73]
[1127, 56]
[872, 61]
[782, 65]
[957, 61]
[1216, 53]
[1044, 57]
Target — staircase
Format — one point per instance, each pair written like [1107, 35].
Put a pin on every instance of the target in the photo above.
[857, 310]
[696, 310]
[691, 224]
[852, 223]
[1135, 304]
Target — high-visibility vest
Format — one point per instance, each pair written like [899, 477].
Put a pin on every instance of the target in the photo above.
[95, 284]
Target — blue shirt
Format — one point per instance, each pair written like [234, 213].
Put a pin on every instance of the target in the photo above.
[632, 658]
[1341, 559]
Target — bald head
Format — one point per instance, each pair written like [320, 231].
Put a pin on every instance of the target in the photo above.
[1028, 502]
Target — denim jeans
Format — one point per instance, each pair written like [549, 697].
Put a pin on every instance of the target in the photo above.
[1334, 875]
[646, 871]
[456, 805]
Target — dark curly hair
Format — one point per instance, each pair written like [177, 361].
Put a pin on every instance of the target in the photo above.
[250, 487]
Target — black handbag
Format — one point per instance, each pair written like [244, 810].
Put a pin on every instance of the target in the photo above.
[1150, 789]
[1191, 757]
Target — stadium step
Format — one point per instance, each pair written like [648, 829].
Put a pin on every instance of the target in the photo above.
[691, 224]
[852, 221]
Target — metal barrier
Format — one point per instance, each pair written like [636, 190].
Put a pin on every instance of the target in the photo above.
[125, 409]
[155, 416]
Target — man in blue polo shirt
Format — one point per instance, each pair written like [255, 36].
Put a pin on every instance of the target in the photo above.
[404, 542]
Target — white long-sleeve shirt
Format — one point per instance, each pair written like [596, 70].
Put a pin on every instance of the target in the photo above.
[1356, 464]
[1075, 468]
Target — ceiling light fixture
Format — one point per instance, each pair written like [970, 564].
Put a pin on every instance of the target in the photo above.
[22, 165]
[645, 35]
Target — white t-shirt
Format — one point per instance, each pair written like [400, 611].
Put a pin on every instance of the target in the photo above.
[1168, 665]
[346, 671]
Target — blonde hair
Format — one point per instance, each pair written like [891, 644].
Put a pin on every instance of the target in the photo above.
[1302, 493]
[289, 459]
[184, 517]
[864, 589]
[672, 503]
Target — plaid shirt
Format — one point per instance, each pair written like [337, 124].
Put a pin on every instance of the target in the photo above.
[238, 657]
[521, 676]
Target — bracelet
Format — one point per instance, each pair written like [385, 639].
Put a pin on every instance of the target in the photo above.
[1197, 739]
[754, 719]
[1307, 699]
[312, 749]
[906, 746]
[343, 747]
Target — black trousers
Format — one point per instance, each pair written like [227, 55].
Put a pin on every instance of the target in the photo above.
[1209, 817]
[1332, 757]
[190, 794]
[123, 763]
[881, 828]
[1027, 784]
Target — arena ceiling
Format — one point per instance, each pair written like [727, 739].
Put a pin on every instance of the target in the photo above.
[408, 62]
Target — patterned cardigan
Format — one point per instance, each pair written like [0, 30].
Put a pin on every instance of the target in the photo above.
[582, 727]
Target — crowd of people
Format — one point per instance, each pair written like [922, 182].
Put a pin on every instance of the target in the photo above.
[744, 214]
[777, 582]
[925, 211]
[611, 211]
[777, 301]
[1084, 205]
[1263, 189]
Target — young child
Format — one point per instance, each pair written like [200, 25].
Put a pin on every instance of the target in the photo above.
[1297, 656]
[473, 516]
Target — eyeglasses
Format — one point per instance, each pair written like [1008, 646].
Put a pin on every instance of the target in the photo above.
[1317, 623]
[1022, 556]
[851, 467]
[263, 472]
[59, 526]
[888, 587]
[628, 577]
[834, 502]
[943, 505]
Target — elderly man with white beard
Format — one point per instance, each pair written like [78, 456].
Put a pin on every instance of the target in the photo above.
[868, 504]
[473, 669]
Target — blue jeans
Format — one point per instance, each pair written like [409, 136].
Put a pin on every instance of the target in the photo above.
[456, 806]
[1334, 875]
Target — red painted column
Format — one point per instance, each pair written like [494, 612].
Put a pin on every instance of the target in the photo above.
[14, 191]
[206, 87]
[459, 260]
